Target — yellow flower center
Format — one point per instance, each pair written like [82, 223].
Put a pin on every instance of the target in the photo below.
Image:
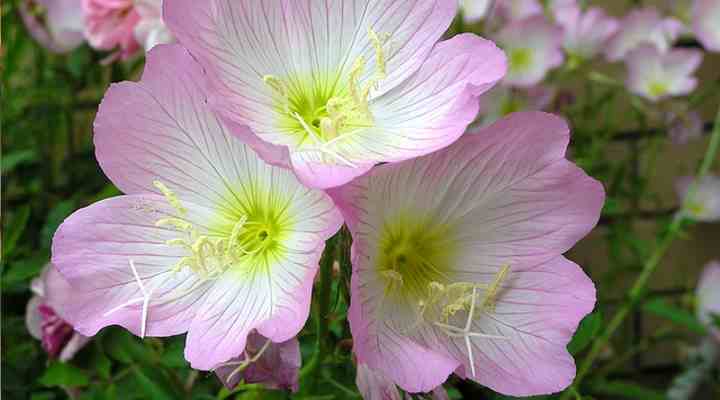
[321, 110]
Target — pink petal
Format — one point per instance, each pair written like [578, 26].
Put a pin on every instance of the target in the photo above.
[92, 250]
[277, 368]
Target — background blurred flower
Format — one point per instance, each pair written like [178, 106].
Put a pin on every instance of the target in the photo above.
[513, 10]
[55, 24]
[274, 365]
[43, 316]
[643, 26]
[706, 23]
[533, 47]
[655, 75]
[705, 205]
[151, 29]
[684, 127]
[708, 297]
[585, 33]
[474, 10]
[110, 24]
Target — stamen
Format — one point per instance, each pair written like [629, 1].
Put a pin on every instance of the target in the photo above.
[278, 86]
[171, 197]
[491, 294]
[379, 54]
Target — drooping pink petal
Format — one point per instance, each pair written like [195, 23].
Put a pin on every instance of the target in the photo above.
[277, 367]
[109, 24]
[498, 204]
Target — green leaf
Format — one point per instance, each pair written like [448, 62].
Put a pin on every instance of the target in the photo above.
[42, 396]
[586, 332]
[122, 346]
[674, 314]
[18, 274]
[626, 390]
[15, 230]
[101, 363]
[153, 383]
[174, 356]
[56, 216]
[11, 160]
[65, 375]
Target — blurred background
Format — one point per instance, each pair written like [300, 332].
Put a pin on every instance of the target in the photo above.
[49, 100]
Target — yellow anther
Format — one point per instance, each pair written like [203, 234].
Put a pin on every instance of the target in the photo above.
[492, 291]
[379, 54]
[392, 276]
[178, 242]
[355, 72]
[171, 197]
[176, 223]
[279, 87]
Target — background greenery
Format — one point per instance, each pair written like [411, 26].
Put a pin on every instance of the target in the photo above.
[49, 170]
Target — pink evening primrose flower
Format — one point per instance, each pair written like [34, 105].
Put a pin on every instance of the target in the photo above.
[44, 316]
[585, 33]
[274, 365]
[110, 24]
[471, 279]
[643, 26]
[208, 239]
[656, 76]
[533, 47]
[474, 10]
[373, 385]
[330, 89]
[708, 297]
[705, 205]
[151, 29]
[706, 23]
[56, 24]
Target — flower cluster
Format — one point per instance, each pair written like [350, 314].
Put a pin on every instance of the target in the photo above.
[258, 129]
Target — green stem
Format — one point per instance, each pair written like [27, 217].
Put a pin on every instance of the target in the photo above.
[312, 370]
[650, 265]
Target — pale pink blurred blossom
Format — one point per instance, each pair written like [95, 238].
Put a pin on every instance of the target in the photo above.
[708, 297]
[585, 32]
[533, 47]
[474, 10]
[706, 23]
[110, 25]
[43, 316]
[151, 29]
[643, 26]
[56, 24]
[656, 76]
[705, 204]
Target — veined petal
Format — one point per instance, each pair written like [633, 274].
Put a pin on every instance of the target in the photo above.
[93, 249]
[241, 42]
[500, 208]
